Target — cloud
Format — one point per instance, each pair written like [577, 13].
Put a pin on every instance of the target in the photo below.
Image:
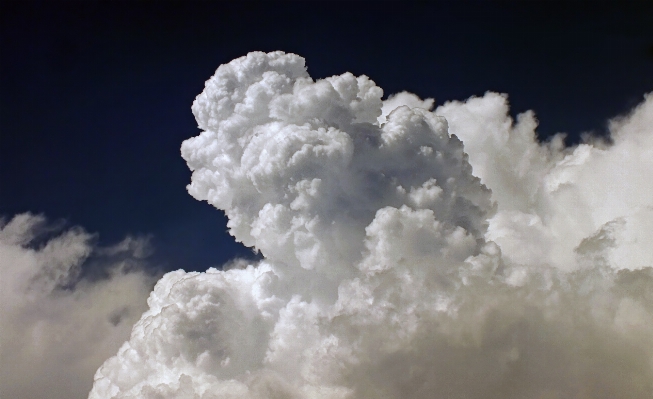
[559, 195]
[400, 262]
[58, 322]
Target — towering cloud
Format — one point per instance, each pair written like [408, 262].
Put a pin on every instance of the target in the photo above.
[398, 262]
[57, 323]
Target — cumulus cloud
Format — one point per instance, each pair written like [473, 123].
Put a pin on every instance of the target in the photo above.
[58, 322]
[560, 195]
[400, 262]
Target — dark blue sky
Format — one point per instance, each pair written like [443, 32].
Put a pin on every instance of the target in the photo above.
[95, 97]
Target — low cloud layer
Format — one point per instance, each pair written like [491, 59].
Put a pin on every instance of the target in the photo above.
[58, 324]
[409, 252]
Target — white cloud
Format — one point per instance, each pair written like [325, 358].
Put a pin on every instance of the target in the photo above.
[399, 263]
[57, 326]
[551, 198]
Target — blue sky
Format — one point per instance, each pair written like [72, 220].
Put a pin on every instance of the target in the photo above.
[95, 97]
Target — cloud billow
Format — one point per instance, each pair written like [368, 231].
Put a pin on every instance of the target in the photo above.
[58, 322]
[398, 261]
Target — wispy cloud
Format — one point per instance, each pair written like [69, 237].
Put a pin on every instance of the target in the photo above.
[59, 322]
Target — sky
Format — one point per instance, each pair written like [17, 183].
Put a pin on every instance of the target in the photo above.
[95, 104]
[96, 96]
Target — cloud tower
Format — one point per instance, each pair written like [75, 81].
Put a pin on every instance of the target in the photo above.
[408, 252]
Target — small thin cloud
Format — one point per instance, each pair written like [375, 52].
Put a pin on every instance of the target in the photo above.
[58, 325]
